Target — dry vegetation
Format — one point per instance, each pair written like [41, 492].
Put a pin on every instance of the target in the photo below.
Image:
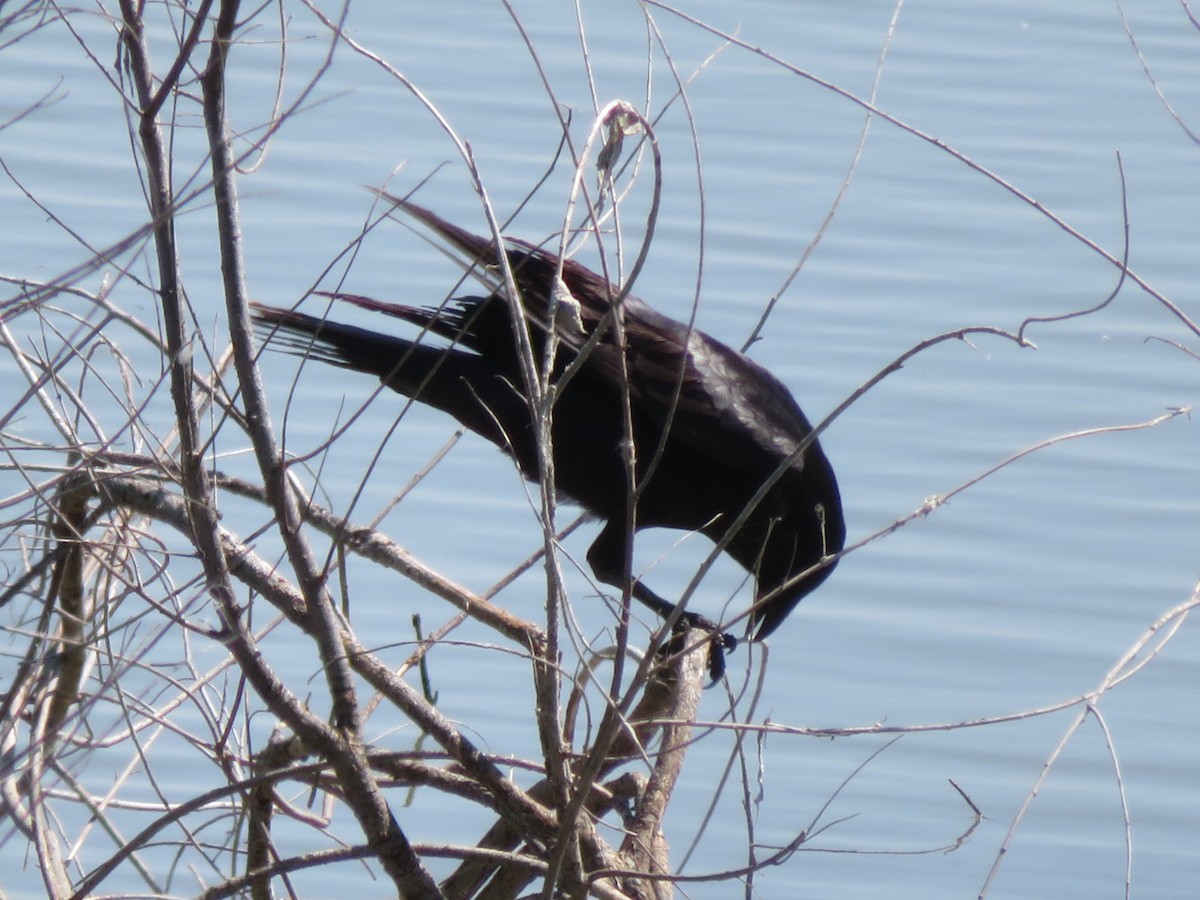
[143, 625]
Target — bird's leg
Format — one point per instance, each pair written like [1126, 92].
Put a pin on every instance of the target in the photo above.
[606, 556]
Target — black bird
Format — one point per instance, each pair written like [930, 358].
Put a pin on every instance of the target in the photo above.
[730, 424]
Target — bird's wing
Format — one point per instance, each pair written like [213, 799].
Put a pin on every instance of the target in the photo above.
[706, 382]
[683, 374]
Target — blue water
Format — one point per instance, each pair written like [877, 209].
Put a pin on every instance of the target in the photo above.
[1020, 593]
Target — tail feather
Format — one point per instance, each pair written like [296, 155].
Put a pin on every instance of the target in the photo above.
[335, 343]
[457, 321]
[467, 386]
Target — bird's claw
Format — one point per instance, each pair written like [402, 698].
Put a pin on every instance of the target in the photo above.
[720, 643]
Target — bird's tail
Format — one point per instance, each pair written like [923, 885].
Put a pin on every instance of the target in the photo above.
[335, 343]
[461, 383]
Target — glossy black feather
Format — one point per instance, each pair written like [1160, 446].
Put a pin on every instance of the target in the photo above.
[730, 423]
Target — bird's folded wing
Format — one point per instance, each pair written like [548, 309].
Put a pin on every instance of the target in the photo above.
[682, 374]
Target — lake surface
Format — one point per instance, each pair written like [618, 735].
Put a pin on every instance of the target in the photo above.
[1020, 593]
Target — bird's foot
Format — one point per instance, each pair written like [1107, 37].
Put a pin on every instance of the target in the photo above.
[720, 644]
